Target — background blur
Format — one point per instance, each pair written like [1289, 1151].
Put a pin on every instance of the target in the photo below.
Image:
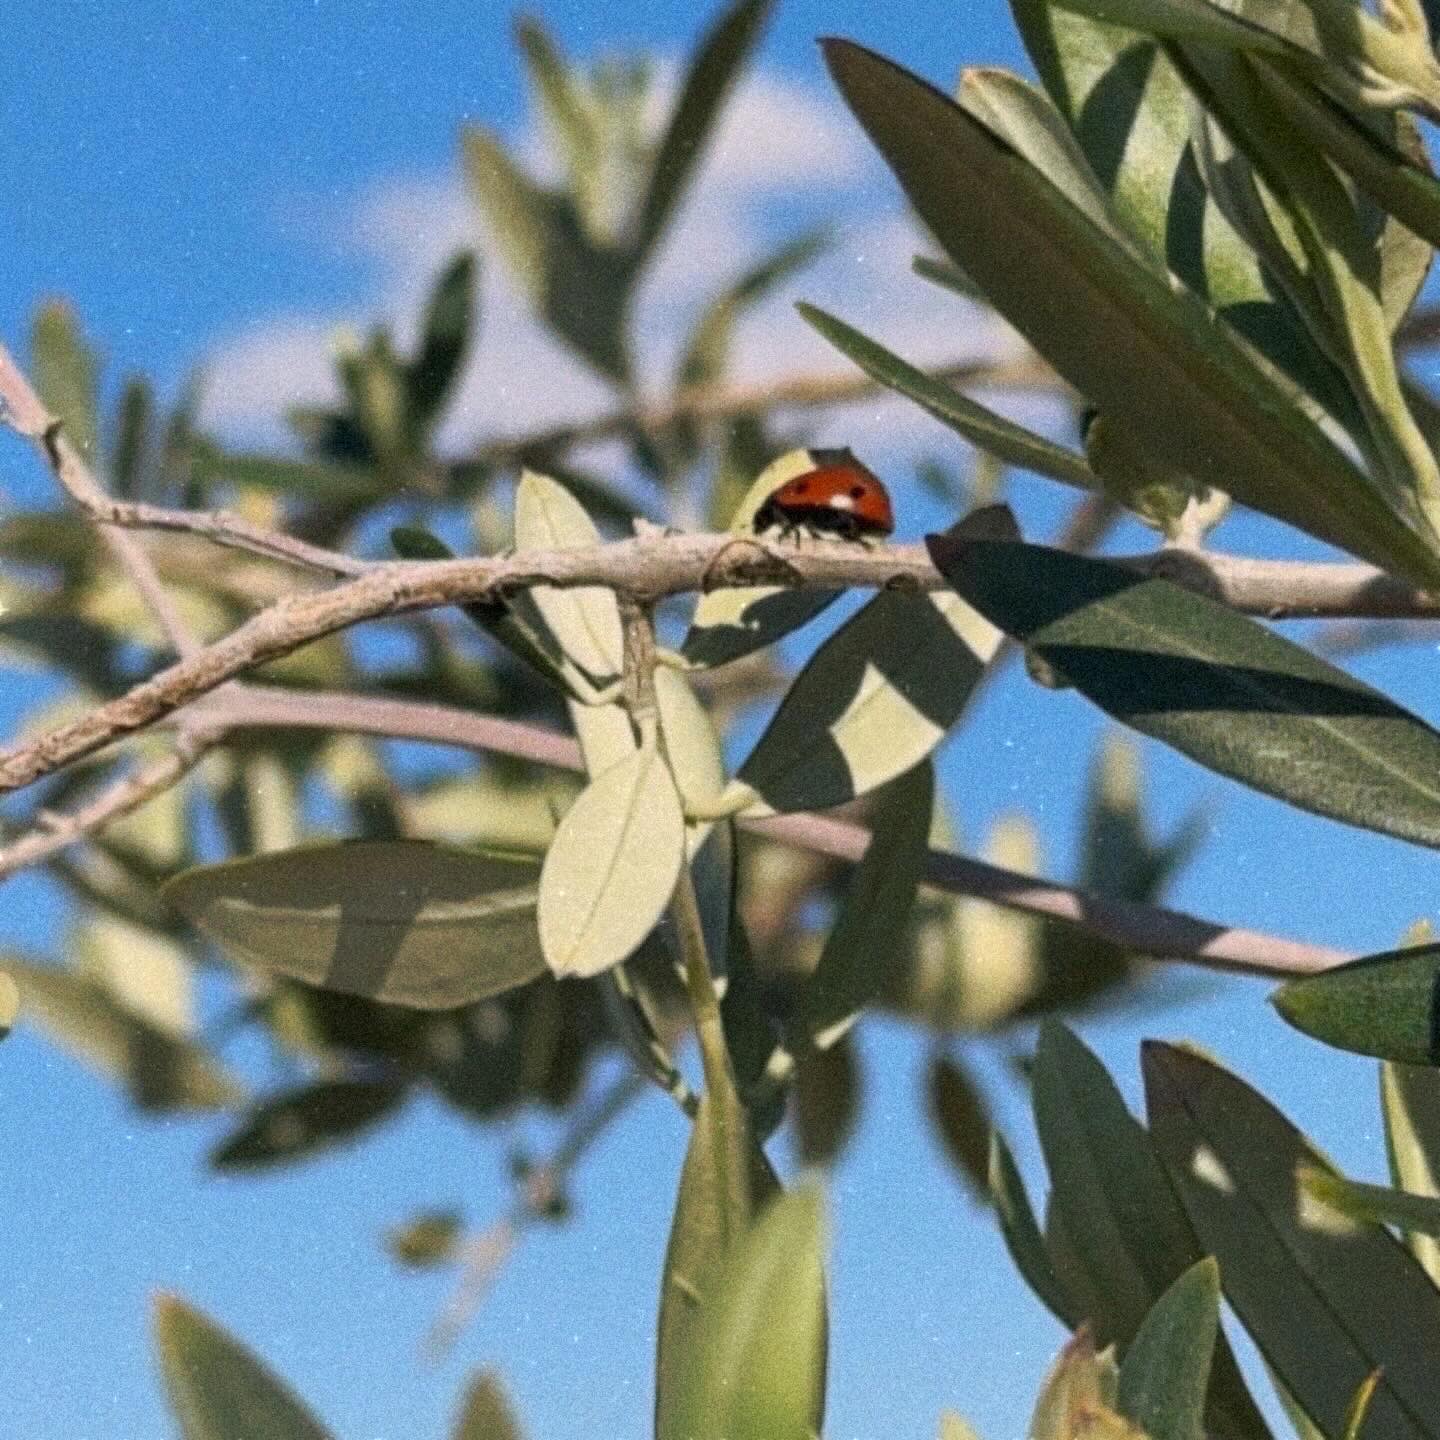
[226, 192]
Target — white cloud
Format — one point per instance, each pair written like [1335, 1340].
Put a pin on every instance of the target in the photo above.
[782, 151]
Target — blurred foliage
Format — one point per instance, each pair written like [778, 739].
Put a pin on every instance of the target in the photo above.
[1210, 219]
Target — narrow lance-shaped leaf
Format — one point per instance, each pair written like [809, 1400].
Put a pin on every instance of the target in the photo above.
[983, 428]
[1022, 1235]
[1375, 1204]
[486, 1413]
[1410, 1103]
[9, 1003]
[406, 922]
[65, 374]
[733, 622]
[1211, 683]
[713, 71]
[306, 1122]
[217, 1388]
[1301, 1276]
[1385, 1005]
[825, 1101]
[860, 953]
[1147, 353]
[957, 1106]
[1165, 1372]
[444, 338]
[612, 867]
[757, 1361]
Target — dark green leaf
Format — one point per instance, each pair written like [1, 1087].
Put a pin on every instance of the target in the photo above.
[1211, 683]
[1302, 1278]
[714, 69]
[860, 959]
[66, 374]
[134, 432]
[962, 1120]
[298, 479]
[444, 338]
[407, 922]
[1147, 353]
[1386, 1005]
[306, 1122]
[826, 1099]
[983, 428]
[1166, 1370]
[1022, 1235]
[217, 1388]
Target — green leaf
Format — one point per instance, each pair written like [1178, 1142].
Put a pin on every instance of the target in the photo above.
[163, 1071]
[707, 354]
[555, 87]
[876, 698]
[955, 1427]
[757, 1362]
[860, 957]
[1166, 1370]
[732, 623]
[1111, 1198]
[1022, 1235]
[1384, 1005]
[578, 288]
[298, 479]
[1147, 353]
[427, 1240]
[612, 867]
[217, 1388]
[983, 428]
[444, 339]
[65, 371]
[584, 621]
[826, 1101]
[632, 1015]
[406, 922]
[9, 1003]
[1410, 1103]
[1376, 1204]
[486, 1413]
[305, 1122]
[134, 432]
[713, 71]
[1302, 1278]
[1078, 1395]
[1212, 684]
[962, 1121]
[723, 1184]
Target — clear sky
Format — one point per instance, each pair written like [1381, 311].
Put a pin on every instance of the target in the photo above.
[225, 186]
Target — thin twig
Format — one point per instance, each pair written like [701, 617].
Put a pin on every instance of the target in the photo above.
[52, 833]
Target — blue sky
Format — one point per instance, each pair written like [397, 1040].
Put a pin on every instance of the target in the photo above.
[230, 187]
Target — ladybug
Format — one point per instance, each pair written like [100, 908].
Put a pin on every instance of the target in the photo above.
[838, 497]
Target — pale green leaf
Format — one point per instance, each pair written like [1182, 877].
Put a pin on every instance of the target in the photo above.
[612, 867]
[1378, 1204]
[733, 622]
[9, 1003]
[217, 1388]
[406, 922]
[1078, 1395]
[1410, 1103]
[66, 374]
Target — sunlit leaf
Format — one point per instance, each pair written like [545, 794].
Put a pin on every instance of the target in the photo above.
[1167, 1367]
[983, 428]
[1147, 352]
[1378, 1204]
[757, 1363]
[858, 961]
[1383, 1005]
[1301, 1276]
[612, 867]
[66, 374]
[1410, 1103]
[306, 1122]
[585, 621]
[723, 1184]
[9, 1003]
[1078, 1396]
[218, 1390]
[1213, 684]
[406, 922]
[731, 623]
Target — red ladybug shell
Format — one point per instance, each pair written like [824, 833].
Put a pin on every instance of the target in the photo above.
[839, 497]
